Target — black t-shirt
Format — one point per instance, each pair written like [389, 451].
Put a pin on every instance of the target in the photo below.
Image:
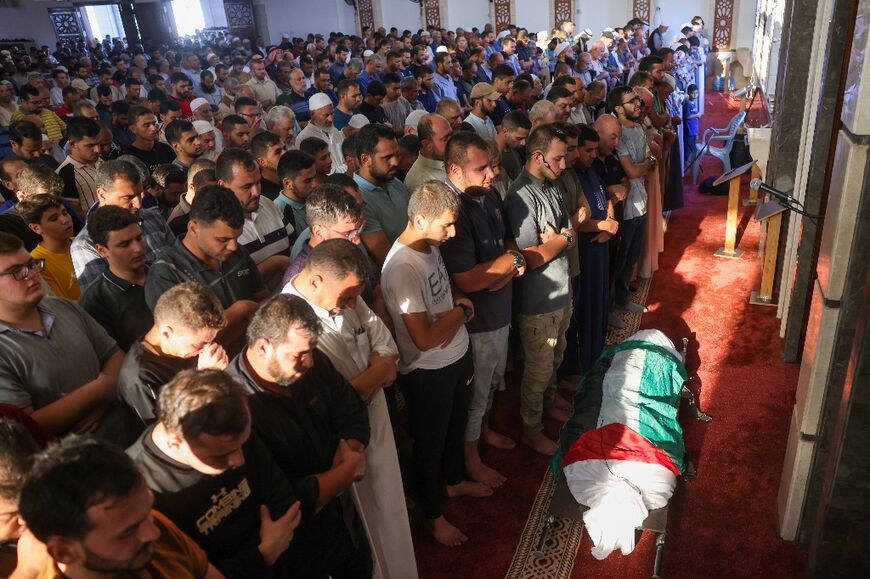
[374, 114]
[302, 429]
[143, 374]
[119, 306]
[610, 170]
[270, 189]
[12, 222]
[221, 512]
[159, 155]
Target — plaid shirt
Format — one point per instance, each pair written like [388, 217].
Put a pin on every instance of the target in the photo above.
[89, 265]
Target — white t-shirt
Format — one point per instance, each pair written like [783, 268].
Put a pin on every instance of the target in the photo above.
[414, 282]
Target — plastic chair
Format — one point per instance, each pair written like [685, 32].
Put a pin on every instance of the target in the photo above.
[723, 152]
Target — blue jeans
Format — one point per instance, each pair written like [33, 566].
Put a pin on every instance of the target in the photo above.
[631, 242]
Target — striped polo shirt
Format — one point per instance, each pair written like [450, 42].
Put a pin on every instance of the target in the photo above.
[266, 232]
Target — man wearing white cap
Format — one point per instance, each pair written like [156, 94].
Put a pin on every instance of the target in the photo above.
[483, 102]
[201, 110]
[265, 89]
[320, 126]
[412, 120]
[212, 143]
[657, 38]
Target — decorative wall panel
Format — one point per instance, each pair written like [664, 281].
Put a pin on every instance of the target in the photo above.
[66, 23]
[432, 13]
[366, 11]
[641, 9]
[563, 10]
[723, 19]
[240, 18]
[502, 14]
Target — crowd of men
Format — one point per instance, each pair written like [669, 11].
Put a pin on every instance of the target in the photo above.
[231, 262]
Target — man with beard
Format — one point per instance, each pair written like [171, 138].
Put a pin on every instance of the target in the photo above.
[146, 144]
[266, 234]
[179, 92]
[267, 149]
[236, 132]
[208, 89]
[433, 131]
[317, 428]
[30, 102]
[265, 89]
[541, 226]
[79, 169]
[511, 139]
[320, 126]
[483, 101]
[636, 161]
[298, 98]
[185, 141]
[60, 396]
[77, 496]
[216, 480]
[482, 263]
[119, 183]
[386, 198]
[210, 254]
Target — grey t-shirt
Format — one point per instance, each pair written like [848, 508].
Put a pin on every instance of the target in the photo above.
[36, 369]
[633, 144]
[530, 205]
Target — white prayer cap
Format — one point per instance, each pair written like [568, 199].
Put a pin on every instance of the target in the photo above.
[441, 48]
[197, 102]
[318, 101]
[586, 33]
[203, 127]
[367, 53]
[414, 118]
[358, 121]
[560, 48]
[668, 78]
[542, 35]
[503, 33]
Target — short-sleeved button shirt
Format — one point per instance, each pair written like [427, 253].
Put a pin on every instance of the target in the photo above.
[385, 208]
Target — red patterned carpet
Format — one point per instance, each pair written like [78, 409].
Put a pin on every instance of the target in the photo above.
[724, 523]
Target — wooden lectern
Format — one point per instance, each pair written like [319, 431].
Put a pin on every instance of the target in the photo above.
[771, 214]
[733, 177]
[753, 193]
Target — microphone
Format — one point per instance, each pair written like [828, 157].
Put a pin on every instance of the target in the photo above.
[759, 185]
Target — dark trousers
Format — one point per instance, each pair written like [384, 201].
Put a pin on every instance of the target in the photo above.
[631, 243]
[571, 362]
[438, 402]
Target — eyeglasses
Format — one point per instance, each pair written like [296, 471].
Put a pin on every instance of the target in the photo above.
[352, 234]
[23, 271]
[635, 101]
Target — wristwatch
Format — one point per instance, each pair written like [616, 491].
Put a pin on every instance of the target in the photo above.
[519, 260]
[568, 237]
[466, 309]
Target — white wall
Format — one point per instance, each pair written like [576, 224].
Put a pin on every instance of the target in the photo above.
[535, 15]
[403, 14]
[30, 20]
[214, 13]
[597, 16]
[299, 17]
[465, 13]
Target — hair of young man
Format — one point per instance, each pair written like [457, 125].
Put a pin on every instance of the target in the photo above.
[167, 174]
[137, 112]
[68, 90]
[244, 101]
[375, 88]
[431, 200]
[33, 207]
[103, 90]
[422, 71]
[595, 87]
[563, 80]
[17, 450]
[558, 92]
[104, 220]
[176, 128]
[348, 146]
[9, 243]
[313, 145]
[169, 106]
[646, 63]
[230, 158]
[217, 203]
[20, 130]
[456, 151]
[344, 86]
[77, 128]
[516, 120]
[261, 142]
[541, 138]
[120, 108]
[616, 96]
[278, 315]
[38, 178]
[502, 71]
[197, 402]
[369, 136]
[329, 203]
[190, 305]
[343, 180]
[391, 78]
[639, 78]
[292, 163]
[177, 77]
[111, 171]
[70, 477]
[336, 259]
[230, 122]
[410, 144]
[585, 133]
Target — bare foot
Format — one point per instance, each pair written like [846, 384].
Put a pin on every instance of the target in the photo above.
[540, 443]
[557, 414]
[482, 473]
[468, 488]
[562, 403]
[496, 440]
[445, 533]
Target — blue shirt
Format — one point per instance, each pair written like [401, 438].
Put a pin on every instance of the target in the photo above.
[446, 86]
[429, 99]
[691, 108]
[341, 119]
[364, 79]
[385, 208]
